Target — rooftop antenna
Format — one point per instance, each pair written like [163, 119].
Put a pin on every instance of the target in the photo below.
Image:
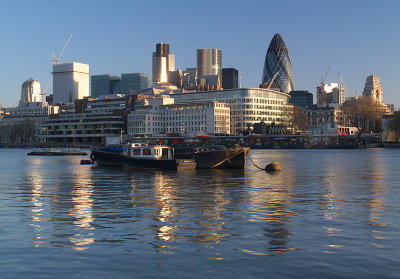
[54, 57]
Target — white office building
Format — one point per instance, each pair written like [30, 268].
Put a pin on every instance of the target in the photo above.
[31, 91]
[70, 82]
[247, 106]
[161, 116]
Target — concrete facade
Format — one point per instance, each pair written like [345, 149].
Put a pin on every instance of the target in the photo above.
[70, 82]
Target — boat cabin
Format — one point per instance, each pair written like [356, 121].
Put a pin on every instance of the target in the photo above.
[145, 151]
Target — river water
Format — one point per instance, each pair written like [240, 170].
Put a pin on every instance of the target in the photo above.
[327, 214]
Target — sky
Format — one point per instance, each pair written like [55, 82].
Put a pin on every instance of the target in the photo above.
[353, 38]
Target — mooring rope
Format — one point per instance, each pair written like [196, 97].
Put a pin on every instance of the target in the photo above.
[254, 163]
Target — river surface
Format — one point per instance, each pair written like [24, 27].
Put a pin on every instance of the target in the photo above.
[327, 214]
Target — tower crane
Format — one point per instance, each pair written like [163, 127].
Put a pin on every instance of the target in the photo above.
[323, 78]
[55, 58]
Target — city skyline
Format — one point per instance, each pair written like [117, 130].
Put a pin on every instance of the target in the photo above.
[346, 36]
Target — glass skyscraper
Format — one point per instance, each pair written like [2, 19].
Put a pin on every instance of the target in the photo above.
[278, 73]
[230, 78]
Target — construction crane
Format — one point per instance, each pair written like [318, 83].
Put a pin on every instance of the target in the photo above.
[323, 78]
[54, 57]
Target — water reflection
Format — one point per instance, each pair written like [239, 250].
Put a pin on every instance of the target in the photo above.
[35, 181]
[51, 191]
[165, 195]
[82, 210]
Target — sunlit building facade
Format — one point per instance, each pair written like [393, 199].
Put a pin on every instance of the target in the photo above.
[278, 72]
[209, 62]
[163, 63]
[161, 116]
[247, 106]
[31, 92]
[71, 81]
[373, 88]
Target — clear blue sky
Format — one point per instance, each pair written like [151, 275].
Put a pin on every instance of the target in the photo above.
[355, 38]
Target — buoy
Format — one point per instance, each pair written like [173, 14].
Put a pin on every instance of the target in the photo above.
[86, 162]
[275, 166]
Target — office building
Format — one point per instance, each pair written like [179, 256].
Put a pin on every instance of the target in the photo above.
[161, 116]
[331, 94]
[103, 84]
[247, 106]
[131, 82]
[31, 92]
[230, 78]
[163, 63]
[209, 62]
[70, 82]
[277, 72]
[86, 122]
[373, 88]
[301, 98]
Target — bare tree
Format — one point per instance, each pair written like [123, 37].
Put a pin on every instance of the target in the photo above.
[300, 120]
[364, 113]
[394, 125]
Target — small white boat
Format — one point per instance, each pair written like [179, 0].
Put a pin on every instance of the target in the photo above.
[161, 157]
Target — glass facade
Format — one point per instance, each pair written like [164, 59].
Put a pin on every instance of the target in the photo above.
[135, 81]
[102, 85]
[301, 98]
[230, 78]
[278, 67]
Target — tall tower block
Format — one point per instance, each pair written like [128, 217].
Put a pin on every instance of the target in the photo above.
[70, 82]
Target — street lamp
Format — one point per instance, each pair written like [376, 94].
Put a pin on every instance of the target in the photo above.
[122, 131]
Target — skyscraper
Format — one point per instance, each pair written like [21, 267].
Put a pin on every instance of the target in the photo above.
[70, 82]
[230, 78]
[278, 73]
[209, 62]
[373, 88]
[163, 63]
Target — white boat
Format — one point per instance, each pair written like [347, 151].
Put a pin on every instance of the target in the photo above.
[161, 157]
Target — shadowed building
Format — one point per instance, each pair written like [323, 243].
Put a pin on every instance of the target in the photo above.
[103, 84]
[301, 98]
[278, 73]
[230, 78]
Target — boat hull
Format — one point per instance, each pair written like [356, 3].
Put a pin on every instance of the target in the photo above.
[234, 158]
[210, 158]
[158, 164]
[106, 158]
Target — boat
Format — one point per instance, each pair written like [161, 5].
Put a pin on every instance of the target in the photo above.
[205, 156]
[107, 155]
[158, 157]
[215, 156]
